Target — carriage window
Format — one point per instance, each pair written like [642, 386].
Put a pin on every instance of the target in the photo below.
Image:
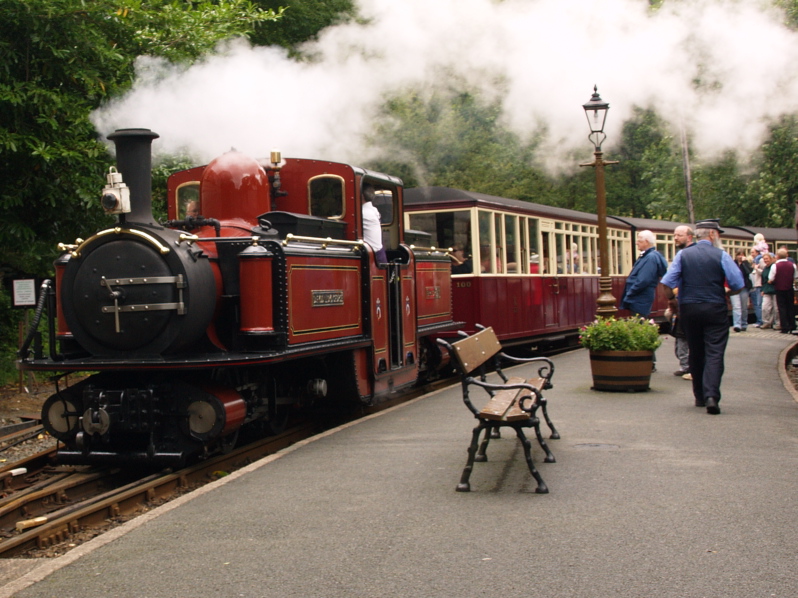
[448, 229]
[546, 261]
[326, 195]
[534, 247]
[512, 244]
[665, 246]
[620, 252]
[188, 199]
[588, 255]
[487, 243]
[572, 255]
[559, 251]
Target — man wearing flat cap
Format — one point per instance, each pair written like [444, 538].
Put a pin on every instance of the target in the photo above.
[701, 272]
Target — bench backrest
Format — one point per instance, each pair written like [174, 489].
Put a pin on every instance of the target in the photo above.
[471, 352]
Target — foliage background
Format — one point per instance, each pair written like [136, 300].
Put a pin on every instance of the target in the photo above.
[61, 59]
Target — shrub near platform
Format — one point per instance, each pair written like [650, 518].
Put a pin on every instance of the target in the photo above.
[621, 352]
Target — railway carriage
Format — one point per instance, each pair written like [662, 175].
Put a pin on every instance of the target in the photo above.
[532, 271]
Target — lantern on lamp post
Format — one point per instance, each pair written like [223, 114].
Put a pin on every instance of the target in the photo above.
[596, 112]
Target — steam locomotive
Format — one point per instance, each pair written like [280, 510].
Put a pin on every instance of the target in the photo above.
[256, 297]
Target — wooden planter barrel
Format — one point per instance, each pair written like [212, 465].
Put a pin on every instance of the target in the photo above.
[621, 371]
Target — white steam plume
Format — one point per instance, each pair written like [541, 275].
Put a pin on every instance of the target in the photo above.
[549, 53]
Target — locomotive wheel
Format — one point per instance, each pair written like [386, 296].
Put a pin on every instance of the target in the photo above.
[61, 416]
[278, 422]
[342, 380]
[228, 443]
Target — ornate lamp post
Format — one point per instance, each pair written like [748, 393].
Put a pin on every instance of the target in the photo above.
[596, 112]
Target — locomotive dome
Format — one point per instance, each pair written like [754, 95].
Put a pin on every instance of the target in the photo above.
[237, 175]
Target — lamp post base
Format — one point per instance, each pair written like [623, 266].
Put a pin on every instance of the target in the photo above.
[605, 303]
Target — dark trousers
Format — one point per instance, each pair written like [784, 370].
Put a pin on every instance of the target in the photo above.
[784, 301]
[706, 326]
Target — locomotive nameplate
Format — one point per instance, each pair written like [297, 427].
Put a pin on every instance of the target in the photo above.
[327, 298]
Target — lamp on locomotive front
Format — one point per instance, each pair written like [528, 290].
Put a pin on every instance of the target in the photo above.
[596, 111]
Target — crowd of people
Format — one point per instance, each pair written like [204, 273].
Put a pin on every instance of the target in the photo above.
[701, 281]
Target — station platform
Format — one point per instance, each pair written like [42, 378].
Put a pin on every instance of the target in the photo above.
[649, 497]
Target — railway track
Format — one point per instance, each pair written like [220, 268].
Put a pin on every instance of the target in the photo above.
[51, 506]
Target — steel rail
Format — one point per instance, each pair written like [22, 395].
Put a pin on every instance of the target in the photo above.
[59, 526]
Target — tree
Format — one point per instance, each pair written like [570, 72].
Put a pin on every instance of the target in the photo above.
[774, 192]
[455, 139]
[646, 183]
[59, 59]
[301, 21]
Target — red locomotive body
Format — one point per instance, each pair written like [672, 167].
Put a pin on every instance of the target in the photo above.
[258, 295]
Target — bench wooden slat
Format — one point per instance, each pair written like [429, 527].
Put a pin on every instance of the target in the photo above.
[475, 350]
[499, 405]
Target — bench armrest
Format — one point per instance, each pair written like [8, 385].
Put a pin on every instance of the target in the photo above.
[545, 371]
[534, 397]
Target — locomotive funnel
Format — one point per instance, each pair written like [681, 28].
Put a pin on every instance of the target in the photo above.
[134, 161]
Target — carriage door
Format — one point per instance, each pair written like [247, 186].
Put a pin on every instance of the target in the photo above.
[551, 282]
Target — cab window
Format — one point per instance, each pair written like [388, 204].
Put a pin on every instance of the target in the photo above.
[188, 199]
[326, 195]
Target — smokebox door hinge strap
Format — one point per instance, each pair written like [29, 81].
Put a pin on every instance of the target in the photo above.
[116, 309]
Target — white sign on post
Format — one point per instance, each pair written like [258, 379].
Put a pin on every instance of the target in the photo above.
[25, 292]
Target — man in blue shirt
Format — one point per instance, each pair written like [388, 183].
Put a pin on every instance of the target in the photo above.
[702, 272]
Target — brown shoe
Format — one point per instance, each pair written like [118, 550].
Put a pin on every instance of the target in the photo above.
[766, 326]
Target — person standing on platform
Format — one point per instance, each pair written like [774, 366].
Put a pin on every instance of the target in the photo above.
[782, 275]
[770, 313]
[701, 273]
[756, 285]
[682, 237]
[740, 300]
[641, 284]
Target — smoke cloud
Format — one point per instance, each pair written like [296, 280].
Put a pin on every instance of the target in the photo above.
[547, 53]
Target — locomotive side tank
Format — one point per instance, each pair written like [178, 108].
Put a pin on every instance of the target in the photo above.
[258, 296]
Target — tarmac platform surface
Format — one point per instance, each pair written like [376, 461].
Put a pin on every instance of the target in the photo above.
[650, 497]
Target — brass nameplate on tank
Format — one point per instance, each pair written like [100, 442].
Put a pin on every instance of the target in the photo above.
[327, 298]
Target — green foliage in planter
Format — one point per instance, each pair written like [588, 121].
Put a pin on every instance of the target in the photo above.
[627, 334]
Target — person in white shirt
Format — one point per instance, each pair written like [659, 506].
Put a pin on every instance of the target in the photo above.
[372, 231]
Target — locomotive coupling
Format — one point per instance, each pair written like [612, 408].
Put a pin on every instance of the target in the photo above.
[116, 195]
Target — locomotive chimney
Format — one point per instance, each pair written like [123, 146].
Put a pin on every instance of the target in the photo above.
[134, 161]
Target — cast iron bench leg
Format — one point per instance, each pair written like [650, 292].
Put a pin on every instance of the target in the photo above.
[482, 455]
[549, 455]
[542, 488]
[464, 486]
[554, 433]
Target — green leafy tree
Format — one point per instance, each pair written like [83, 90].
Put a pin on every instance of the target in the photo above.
[59, 59]
[720, 191]
[455, 139]
[302, 20]
[646, 154]
[773, 192]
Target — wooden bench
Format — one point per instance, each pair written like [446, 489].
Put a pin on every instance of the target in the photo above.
[513, 403]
